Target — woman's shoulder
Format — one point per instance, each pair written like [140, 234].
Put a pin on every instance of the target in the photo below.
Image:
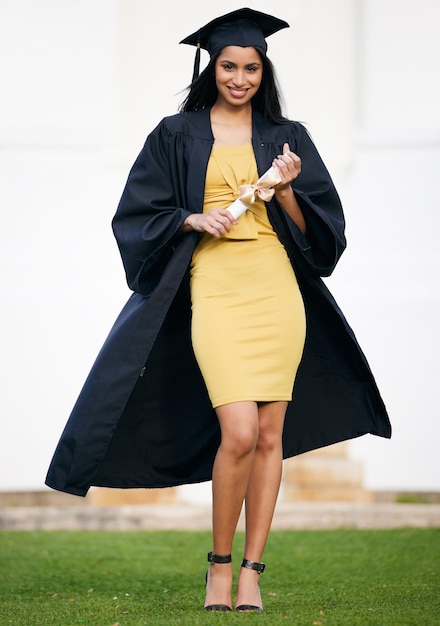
[273, 130]
[188, 123]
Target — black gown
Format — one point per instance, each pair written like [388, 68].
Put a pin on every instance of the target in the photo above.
[143, 417]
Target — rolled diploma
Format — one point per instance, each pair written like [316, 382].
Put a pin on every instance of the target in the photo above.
[237, 208]
[262, 187]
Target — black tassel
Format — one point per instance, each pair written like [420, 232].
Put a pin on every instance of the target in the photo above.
[196, 64]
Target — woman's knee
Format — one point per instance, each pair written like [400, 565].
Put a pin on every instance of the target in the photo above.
[239, 425]
[269, 440]
[240, 442]
[271, 427]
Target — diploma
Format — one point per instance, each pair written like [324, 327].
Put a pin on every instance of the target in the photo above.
[262, 188]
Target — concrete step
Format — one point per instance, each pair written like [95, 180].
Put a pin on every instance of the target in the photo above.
[297, 515]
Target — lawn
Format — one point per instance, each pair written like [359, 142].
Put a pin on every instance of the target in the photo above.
[328, 578]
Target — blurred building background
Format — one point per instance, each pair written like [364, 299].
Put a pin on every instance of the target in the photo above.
[83, 83]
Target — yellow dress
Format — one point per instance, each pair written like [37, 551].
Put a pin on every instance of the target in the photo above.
[248, 320]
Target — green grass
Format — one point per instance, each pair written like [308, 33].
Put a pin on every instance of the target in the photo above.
[328, 578]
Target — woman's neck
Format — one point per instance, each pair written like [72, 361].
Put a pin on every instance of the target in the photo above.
[231, 126]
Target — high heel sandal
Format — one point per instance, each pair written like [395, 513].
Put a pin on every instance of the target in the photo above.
[258, 567]
[215, 558]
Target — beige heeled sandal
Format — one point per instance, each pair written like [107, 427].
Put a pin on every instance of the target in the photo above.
[258, 567]
[215, 558]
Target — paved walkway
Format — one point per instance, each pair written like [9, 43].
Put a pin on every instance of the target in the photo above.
[301, 515]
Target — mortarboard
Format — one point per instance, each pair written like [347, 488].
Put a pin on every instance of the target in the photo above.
[244, 27]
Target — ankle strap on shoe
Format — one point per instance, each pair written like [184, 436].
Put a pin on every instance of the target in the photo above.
[258, 567]
[215, 558]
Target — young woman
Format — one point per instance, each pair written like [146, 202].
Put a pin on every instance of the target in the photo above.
[231, 353]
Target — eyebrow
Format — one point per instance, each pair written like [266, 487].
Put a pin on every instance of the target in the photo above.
[233, 62]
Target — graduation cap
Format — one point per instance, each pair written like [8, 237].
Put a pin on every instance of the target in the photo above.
[244, 27]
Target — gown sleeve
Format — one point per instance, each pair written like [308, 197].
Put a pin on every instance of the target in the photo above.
[147, 221]
[324, 240]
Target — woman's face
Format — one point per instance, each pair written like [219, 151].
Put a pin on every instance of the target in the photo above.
[238, 75]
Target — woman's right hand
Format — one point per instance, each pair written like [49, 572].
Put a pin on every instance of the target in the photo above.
[216, 222]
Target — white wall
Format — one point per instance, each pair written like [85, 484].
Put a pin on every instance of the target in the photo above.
[61, 276]
[88, 79]
[388, 282]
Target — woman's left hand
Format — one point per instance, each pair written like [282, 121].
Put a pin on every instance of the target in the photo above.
[289, 166]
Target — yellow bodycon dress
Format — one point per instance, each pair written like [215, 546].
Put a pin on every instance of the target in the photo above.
[248, 320]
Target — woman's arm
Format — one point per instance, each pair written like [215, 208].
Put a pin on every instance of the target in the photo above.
[289, 166]
[149, 214]
[319, 233]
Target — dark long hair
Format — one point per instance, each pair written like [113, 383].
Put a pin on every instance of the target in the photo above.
[203, 92]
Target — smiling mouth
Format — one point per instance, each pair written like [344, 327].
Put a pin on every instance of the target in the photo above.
[238, 92]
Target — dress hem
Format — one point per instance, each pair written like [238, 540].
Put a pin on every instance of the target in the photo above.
[265, 398]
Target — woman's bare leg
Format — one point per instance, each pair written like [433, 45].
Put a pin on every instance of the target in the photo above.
[261, 496]
[239, 424]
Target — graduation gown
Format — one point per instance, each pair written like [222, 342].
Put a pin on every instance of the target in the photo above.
[143, 417]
